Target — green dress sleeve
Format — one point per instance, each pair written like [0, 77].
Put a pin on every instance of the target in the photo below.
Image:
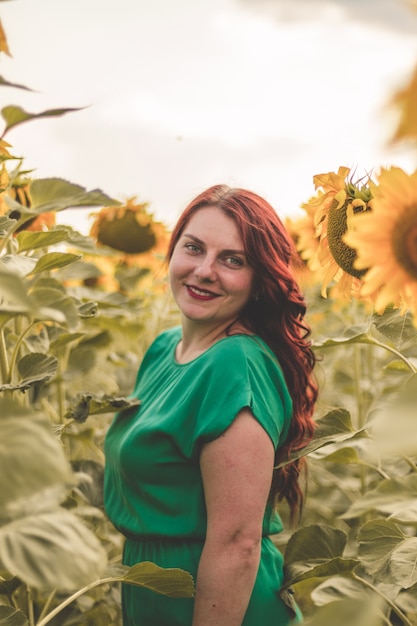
[239, 372]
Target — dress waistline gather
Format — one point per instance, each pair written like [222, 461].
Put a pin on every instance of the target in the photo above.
[172, 538]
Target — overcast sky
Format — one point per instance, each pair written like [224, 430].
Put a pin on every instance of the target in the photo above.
[183, 94]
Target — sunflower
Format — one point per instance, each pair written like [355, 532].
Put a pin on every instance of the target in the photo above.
[385, 240]
[405, 102]
[143, 242]
[19, 190]
[334, 210]
[128, 228]
[153, 261]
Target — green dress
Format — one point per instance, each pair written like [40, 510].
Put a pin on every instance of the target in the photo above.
[153, 488]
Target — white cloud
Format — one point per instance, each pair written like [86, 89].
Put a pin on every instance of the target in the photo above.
[390, 15]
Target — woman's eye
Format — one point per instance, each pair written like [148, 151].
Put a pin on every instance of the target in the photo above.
[192, 247]
[232, 260]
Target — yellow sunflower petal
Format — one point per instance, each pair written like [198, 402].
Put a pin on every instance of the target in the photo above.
[385, 240]
[3, 41]
[405, 100]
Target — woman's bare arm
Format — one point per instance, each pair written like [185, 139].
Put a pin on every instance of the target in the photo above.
[237, 471]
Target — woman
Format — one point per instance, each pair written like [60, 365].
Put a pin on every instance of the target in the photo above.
[227, 396]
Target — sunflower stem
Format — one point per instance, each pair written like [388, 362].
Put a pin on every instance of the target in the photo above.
[393, 606]
[16, 351]
[61, 395]
[31, 613]
[45, 620]
[5, 241]
[403, 358]
[358, 354]
[410, 463]
[4, 361]
[47, 604]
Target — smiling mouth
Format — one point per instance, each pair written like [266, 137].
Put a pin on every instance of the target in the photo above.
[201, 293]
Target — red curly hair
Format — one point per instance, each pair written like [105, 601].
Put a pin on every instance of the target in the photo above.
[276, 315]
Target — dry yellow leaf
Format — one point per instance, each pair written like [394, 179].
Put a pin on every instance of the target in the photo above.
[3, 148]
[3, 41]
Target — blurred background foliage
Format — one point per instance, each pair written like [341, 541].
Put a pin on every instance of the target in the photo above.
[77, 313]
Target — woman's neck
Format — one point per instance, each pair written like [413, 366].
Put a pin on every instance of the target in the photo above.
[197, 339]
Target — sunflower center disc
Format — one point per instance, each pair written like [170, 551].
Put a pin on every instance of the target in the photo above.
[405, 242]
[343, 254]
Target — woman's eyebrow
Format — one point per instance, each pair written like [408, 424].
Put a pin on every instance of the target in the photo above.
[201, 242]
[194, 238]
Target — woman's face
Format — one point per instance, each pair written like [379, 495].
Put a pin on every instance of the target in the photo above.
[209, 274]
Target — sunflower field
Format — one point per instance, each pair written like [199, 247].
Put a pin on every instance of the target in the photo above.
[77, 313]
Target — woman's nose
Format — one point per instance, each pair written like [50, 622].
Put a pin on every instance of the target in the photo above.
[205, 270]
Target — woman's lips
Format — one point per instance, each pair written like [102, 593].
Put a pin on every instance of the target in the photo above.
[200, 294]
